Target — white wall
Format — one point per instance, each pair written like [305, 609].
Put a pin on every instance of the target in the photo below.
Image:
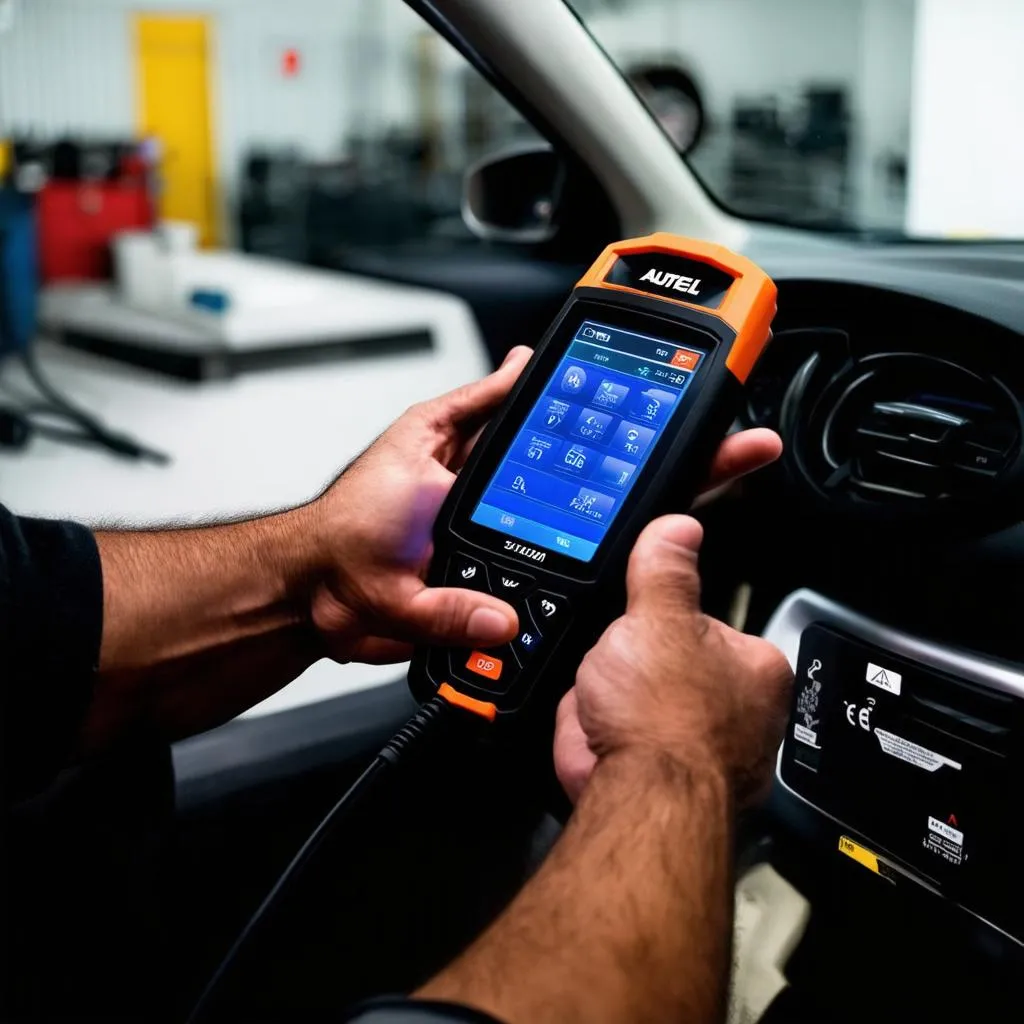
[881, 100]
[68, 65]
[967, 138]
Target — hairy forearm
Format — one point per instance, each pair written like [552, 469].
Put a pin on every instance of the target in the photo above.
[628, 919]
[199, 624]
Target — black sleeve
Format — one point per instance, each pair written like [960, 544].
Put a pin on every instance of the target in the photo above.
[51, 622]
[407, 1011]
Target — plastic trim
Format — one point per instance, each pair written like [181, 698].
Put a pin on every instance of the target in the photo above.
[805, 607]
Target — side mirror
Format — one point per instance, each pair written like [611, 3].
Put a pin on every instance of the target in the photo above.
[515, 196]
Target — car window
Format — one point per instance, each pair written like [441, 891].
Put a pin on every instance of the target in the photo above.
[885, 116]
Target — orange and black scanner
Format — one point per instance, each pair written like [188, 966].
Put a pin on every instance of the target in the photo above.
[613, 422]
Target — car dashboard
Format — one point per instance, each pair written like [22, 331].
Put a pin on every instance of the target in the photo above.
[887, 561]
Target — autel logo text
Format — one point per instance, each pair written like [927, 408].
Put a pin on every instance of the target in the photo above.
[663, 279]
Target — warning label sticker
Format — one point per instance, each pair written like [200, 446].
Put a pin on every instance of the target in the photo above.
[867, 858]
[954, 835]
[805, 735]
[913, 753]
[884, 678]
[807, 701]
[944, 841]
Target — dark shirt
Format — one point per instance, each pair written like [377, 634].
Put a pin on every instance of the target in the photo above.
[51, 621]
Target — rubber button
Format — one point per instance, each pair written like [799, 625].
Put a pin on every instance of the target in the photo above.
[508, 585]
[493, 671]
[548, 611]
[527, 642]
[467, 572]
[487, 665]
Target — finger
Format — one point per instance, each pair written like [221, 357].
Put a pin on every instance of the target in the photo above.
[520, 354]
[455, 617]
[743, 453]
[574, 760]
[468, 406]
[662, 571]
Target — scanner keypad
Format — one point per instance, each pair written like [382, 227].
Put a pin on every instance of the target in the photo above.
[543, 616]
[510, 586]
[468, 572]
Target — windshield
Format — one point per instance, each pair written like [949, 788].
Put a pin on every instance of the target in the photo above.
[881, 116]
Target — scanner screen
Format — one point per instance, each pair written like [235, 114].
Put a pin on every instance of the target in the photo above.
[570, 467]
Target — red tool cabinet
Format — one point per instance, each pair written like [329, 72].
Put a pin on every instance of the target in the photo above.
[77, 220]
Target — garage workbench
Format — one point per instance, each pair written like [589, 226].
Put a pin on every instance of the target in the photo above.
[258, 441]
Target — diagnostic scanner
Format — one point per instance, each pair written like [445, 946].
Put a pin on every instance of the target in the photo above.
[614, 421]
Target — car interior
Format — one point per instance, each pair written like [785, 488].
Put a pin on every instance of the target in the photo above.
[884, 554]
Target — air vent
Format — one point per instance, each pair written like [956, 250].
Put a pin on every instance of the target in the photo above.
[985, 718]
[911, 427]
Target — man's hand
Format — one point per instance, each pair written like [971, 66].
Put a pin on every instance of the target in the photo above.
[672, 724]
[374, 527]
[667, 679]
[200, 624]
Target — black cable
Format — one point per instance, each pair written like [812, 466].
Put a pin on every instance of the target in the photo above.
[428, 720]
[17, 428]
[19, 424]
[64, 434]
[39, 414]
[120, 444]
[53, 404]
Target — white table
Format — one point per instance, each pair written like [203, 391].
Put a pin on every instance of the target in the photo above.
[261, 441]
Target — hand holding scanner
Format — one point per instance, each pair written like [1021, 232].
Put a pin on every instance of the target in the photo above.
[614, 421]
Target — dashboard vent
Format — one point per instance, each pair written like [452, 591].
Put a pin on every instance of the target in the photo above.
[983, 717]
[907, 427]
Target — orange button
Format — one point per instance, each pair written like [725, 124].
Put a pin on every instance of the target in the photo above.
[685, 359]
[485, 665]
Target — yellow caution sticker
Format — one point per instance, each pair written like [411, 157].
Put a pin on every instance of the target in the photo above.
[861, 854]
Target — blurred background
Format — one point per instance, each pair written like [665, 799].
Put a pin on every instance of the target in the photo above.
[316, 129]
[232, 247]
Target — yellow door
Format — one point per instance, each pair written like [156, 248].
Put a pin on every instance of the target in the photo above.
[172, 56]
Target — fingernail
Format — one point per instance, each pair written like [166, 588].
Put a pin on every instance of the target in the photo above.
[683, 531]
[512, 352]
[487, 626]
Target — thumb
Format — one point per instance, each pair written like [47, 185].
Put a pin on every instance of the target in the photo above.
[470, 405]
[455, 617]
[662, 572]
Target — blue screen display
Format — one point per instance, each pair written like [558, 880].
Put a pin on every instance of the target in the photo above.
[567, 473]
